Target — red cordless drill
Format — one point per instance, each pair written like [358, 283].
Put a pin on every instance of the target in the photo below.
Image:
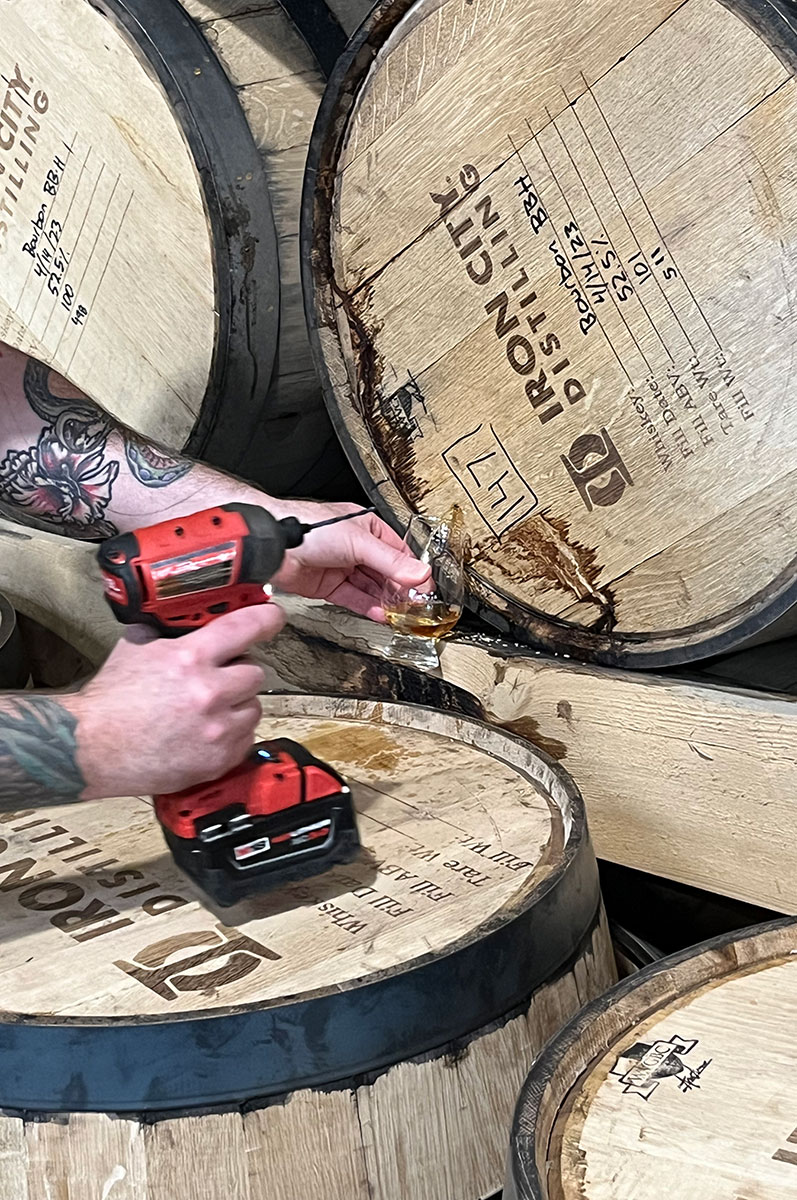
[282, 814]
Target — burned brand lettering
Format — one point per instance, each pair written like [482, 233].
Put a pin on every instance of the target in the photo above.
[737, 396]
[22, 108]
[230, 956]
[480, 240]
[596, 468]
[787, 1156]
[71, 907]
[403, 407]
[502, 858]
[642, 1067]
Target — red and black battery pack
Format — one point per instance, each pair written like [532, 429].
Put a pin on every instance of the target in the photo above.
[282, 815]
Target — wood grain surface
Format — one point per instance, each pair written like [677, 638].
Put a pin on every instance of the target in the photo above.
[548, 247]
[457, 822]
[107, 254]
[682, 1083]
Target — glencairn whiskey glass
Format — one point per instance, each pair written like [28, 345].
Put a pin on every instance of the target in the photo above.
[421, 616]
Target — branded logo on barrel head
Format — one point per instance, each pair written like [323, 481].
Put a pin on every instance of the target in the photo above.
[644, 1065]
[596, 468]
[171, 965]
[401, 408]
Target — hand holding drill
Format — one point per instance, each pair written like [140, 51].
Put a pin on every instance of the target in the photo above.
[280, 814]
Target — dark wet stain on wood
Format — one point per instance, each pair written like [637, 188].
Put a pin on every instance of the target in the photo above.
[394, 446]
[541, 548]
[375, 678]
[357, 747]
[528, 728]
[564, 710]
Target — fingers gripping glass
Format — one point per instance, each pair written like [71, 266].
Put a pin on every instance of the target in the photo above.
[421, 616]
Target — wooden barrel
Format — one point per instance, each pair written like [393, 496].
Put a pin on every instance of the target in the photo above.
[631, 952]
[549, 262]
[14, 661]
[142, 150]
[370, 1027]
[680, 1082]
[277, 56]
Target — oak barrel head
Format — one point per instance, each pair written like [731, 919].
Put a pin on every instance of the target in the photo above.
[122, 988]
[138, 244]
[550, 262]
[679, 1081]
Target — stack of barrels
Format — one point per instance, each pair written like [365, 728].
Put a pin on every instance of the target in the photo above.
[533, 261]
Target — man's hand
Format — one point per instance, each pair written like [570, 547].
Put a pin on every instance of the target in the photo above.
[346, 564]
[67, 465]
[163, 714]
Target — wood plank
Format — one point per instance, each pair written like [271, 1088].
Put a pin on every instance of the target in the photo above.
[262, 45]
[439, 1129]
[53, 579]
[197, 1156]
[308, 1145]
[281, 112]
[685, 780]
[85, 1156]
[211, 10]
[465, 1101]
[13, 1160]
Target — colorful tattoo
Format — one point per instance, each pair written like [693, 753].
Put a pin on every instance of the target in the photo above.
[61, 487]
[151, 464]
[66, 480]
[63, 480]
[38, 753]
[78, 423]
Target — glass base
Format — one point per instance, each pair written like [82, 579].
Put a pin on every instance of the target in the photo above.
[416, 652]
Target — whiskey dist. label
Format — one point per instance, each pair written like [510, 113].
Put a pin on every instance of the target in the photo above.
[96, 919]
[565, 242]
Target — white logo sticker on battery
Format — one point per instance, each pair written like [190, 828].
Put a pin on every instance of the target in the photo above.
[251, 848]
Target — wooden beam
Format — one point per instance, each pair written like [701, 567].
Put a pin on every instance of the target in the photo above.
[691, 781]
[57, 582]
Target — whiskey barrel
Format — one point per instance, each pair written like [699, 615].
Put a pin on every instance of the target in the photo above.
[142, 150]
[370, 1027]
[139, 251]
[277, 56]
[679, 1082]
[548, 264]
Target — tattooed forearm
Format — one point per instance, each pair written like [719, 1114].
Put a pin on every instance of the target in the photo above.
[63, 481]
[66, 480]
[38, 750]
